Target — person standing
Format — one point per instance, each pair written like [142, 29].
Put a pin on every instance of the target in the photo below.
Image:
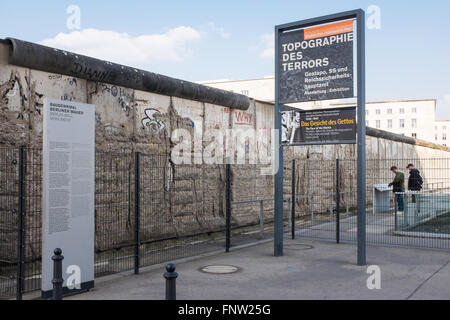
[398, 186]
[415, 180]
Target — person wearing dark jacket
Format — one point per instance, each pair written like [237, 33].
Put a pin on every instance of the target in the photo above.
[415, 181]
[398, 188]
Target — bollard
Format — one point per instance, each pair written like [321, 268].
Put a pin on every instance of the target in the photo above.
[171, 282]
[57, 275]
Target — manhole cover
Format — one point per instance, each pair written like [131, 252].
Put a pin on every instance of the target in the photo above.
[219, 269]
[298, 247]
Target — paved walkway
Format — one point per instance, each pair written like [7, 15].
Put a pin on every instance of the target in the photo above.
[309, 270]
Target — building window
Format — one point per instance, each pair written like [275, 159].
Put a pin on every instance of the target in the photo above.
[245, 92]
[402, 110]
[367, 123]
[414, 135]
[414, 123]
[378, 124]
[436, 137]
[444, 136]
[402, 123]
[367, 112]
[414, 110]
[390, 123]
[444, 128]
[389, 111]
[378, 111]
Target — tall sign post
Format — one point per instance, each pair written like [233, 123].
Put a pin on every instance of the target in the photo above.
[361, 184]
[314, 61]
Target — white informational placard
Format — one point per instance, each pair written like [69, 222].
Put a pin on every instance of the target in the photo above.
[68, 193]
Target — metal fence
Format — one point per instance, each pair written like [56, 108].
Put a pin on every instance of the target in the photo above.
[326, 201]
[147, 211]
[325, 205]
[20, 220]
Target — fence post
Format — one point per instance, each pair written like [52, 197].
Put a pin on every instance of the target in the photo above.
[137, 208]
[338, 204]
[261, 218]
[228, 208]
[21, 231]
[171, 282]
[347, 203]
[57, 275]
[294, 198]
[289, 201]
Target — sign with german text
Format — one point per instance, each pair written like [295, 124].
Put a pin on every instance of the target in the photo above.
[319, 127]
[68, 193]
[317, 63]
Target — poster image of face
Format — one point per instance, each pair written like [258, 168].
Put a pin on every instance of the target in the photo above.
[290, 123]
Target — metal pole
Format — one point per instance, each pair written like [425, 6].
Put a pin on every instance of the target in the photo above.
[57, 275]
[261, 218]
[171, 282]
[338, 204]
[137, 211]
[347, 202]
[228, 208]
[361, 44]
[294, 192]
[289, 201]
[21, 235]
[278, 225]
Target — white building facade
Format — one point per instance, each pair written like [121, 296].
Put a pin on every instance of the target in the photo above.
[411, 118]
[442, 132]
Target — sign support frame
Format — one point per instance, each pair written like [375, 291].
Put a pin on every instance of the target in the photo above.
[359, 15]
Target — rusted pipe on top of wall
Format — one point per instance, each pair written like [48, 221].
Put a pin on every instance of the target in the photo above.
[38, 57]
[372, 132]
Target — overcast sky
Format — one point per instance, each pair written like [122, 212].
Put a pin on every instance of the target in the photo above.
[407, 58]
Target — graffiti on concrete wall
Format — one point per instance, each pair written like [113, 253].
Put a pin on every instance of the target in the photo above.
[14, 87]
[98, 118]
[124, 98]
[151, 123]
[243, 118]
[85, 71]
[68, 84]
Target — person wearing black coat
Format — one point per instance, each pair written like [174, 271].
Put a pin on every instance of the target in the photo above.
[415, 181]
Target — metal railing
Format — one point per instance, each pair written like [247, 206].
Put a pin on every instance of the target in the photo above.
[426, 213]
[150, 211]
[147, 211]
[325, 208]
